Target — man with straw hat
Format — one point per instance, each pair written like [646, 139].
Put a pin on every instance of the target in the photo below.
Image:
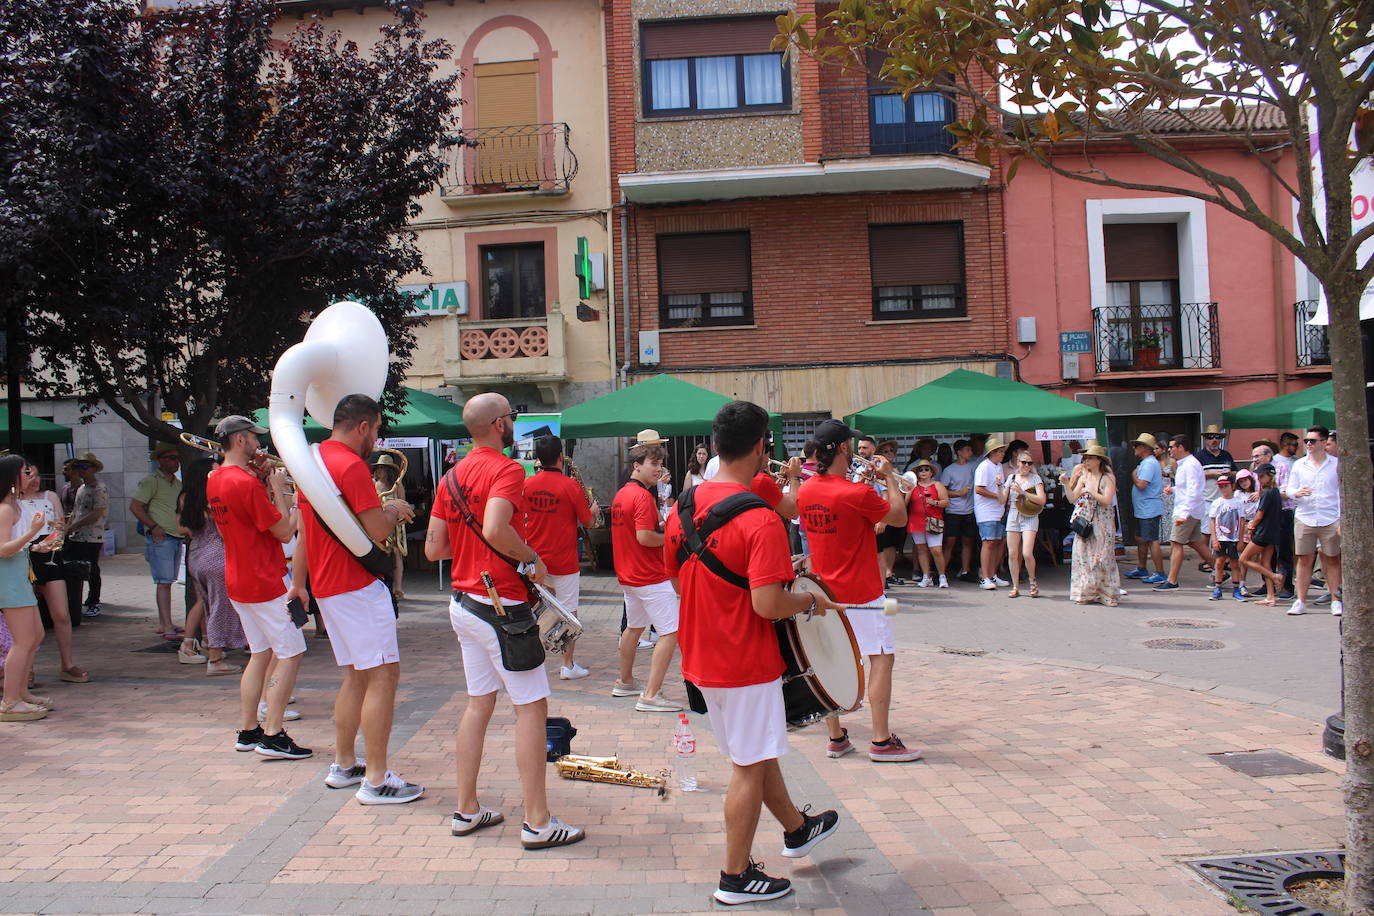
[1147, 501]
[155, 506]
[989, 510]
[86, 530]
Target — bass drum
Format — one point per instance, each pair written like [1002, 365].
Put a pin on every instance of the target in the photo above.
[824, 675]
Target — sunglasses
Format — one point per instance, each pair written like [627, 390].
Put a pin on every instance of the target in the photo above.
[514, 415]
[1211, 437]
[1312, 441]
[82, 467]
[1026, 462]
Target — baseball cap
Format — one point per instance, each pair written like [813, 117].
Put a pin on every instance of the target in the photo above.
[237, 424]
[1226, 479]
[1266, 468]
[833, 432]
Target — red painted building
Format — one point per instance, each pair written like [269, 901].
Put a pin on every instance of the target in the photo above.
[797, 235]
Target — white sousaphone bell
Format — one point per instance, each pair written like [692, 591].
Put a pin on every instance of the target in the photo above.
[344, 352]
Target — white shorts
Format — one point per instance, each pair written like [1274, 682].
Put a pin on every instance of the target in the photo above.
[567, 589]
[267, 624]
[872, 628]
[928, 539]
[651, 604]
[482, 661]
[750, 722]
[362, 627]
[1018, 522]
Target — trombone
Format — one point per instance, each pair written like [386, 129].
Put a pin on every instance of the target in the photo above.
[214, 448]
[866, 468]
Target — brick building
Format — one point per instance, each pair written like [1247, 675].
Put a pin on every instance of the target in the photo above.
[793, 234]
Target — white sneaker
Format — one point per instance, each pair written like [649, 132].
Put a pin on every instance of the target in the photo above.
[1337, 608]
[463, 824]
[658, 703]
[1000, 582]
[556, 833]
[1298, 607]
[926, 582]
[393, 791]
[987, 584]
[572, 672]
[944, 583]
[288, 715]
[344, 777]
[648, 642]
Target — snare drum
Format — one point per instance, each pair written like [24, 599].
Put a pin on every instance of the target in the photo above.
[824, 674]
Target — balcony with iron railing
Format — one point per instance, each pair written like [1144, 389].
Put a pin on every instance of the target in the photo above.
[859, 122]
[1314, 348]
[522, 159]
[1177, 337]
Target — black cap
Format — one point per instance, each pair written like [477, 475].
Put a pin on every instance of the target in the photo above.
[1266, 468]
[833, 432]
[237, 424]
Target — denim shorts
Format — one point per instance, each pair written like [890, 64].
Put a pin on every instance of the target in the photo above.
[164, 559]
[992, 531]
[1147, 529]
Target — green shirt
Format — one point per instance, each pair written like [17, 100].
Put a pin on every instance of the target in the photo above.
[160, 496]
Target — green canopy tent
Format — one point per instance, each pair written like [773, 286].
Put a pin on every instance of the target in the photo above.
[971, 402]
[36, 431]
[1295, 410]
[664, 402]
[426, 416]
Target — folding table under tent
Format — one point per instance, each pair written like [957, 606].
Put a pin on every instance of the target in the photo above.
[1313, 406]
[971, 402]
[664, 402]
[36, 431]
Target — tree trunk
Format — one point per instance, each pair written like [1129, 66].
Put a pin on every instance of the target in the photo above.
[1357, 535]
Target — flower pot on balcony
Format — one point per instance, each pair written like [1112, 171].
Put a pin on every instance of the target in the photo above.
[1147, 357]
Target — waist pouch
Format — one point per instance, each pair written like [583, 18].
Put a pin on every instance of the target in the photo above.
[517, 632]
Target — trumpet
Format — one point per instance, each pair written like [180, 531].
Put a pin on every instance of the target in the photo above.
[779, 471]
[866, 468]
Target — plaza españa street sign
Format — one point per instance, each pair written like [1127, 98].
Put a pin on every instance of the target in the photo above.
[1075, 342]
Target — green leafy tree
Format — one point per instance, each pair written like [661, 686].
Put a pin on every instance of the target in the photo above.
[182, 192]
[1066, 72]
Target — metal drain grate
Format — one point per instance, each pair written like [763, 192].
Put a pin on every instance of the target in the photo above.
[1183, 623]
[1262, 881]
[1266, 763]
[1184, 643]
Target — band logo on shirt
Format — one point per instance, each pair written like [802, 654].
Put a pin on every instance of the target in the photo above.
[543, 501]
[617, 515]
[820, 518]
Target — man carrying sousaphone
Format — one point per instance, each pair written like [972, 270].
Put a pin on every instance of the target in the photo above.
[479, 522]
[730, 648]
[839, 516]
[356, 607]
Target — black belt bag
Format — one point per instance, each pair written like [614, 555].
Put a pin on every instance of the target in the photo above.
[517, 632]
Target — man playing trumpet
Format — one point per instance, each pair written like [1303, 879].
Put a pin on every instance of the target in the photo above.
[839, 515]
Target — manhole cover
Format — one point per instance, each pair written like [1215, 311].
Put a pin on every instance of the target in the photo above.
[1182, 623]
[1184, 643]
[1266, 763]
[1263, 881]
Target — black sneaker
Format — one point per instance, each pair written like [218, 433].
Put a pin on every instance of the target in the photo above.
[249, 738]
[814, 828]
[968, 577]
[281, 747]
[750, 886]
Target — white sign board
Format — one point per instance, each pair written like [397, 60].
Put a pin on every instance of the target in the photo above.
[404, 442]
[438, 299]
[1063, 435]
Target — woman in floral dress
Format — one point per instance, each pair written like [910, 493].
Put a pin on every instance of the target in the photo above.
[1092, 488]
[205, 565]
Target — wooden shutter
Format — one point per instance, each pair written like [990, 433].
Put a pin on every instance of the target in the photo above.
[927, 254]
[1141, 251]
[716, 262]
[508, 96]
[707, 37]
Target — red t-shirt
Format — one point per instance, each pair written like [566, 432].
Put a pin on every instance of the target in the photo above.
[635, 510]
[254, 563]
[839, 518]
[723, 642]
[334, 570]
[767, 488]
[483, 474]
[921, 503]
[554, 506]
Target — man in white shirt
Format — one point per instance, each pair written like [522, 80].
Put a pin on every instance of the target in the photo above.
[1189, 509]
[990, 510]
[1314, 484]
[1073, 457]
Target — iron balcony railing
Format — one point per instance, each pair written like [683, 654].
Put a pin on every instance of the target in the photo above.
[872, 122]
[528, 158]
[1141, 338]
[1314, 349]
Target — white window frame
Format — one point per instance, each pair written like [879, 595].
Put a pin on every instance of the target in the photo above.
[1194, 276]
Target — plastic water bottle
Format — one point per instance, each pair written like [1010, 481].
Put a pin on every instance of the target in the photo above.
[685, 746]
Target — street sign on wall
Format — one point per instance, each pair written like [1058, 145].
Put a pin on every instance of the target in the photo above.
[1075, 342]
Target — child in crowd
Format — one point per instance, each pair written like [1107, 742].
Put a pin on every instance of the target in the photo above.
[1264, 530]
[1226, 517]
[1246, 490]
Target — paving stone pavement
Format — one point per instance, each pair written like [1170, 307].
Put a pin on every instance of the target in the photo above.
[1044, 789]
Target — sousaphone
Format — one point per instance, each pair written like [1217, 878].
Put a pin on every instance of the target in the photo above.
[344, 352]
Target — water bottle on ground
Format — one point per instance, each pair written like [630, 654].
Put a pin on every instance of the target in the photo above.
[685, 746]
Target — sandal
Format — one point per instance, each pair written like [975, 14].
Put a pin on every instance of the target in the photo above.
[1013, 593]
[45, 702]
[20, 711]
[74, 675]
[1034, 589]
[221, 667]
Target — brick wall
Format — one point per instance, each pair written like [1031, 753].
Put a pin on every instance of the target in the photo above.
[812, 291]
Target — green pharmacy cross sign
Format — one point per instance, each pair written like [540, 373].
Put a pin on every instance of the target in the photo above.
[582, 268]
